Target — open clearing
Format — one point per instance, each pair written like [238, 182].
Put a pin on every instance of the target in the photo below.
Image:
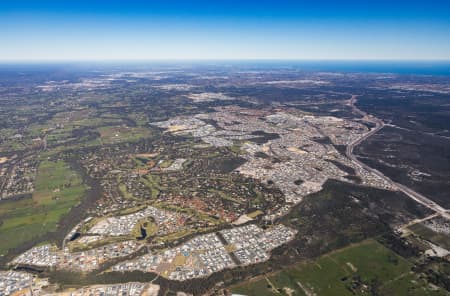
[430, 235]
[58, 189]
[355, 270]
[117, 134]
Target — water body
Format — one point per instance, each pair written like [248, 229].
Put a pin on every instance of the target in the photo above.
[439, 68]
[432, 67]
[143, 234]
[75, 236]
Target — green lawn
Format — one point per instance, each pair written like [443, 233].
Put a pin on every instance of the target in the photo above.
[355, 270]
[58, 189]
[118, 134]
[224, 195]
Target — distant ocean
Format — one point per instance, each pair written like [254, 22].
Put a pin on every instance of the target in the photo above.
[441, 68]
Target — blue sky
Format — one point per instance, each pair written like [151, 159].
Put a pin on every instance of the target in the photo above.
[216, 29]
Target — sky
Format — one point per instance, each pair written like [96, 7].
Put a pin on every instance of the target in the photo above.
[232, 30]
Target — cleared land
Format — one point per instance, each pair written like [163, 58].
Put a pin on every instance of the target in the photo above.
[360, 269]
[430, 235]
[117, 134]
[58, 189]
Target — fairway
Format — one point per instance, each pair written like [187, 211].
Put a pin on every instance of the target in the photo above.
[58, 188]
[356, 270]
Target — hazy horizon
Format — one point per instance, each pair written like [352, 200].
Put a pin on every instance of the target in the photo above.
[417, 67]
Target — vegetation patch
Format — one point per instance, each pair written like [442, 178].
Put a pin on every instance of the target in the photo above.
[255, 214]
[367, 268]
[430, 235]
[118, 134]
[58, 189]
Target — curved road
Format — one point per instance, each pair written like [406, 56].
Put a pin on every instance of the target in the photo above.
[400, 187]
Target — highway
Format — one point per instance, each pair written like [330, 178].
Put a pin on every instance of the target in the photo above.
[379, 124]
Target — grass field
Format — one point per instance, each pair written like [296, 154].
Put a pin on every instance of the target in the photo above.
[58, 188]
[153, 183]
[117, 134]
[223, 195]
[255, 214]
[356, 270]
[166, 163]
[123, 190]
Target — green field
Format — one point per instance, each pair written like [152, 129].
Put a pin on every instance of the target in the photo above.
[166, 163]
[58, 188]
[360, 269]
[118, 134]
[153, 183]
[223, 195]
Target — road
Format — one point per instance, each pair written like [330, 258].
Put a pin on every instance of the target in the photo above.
[404, 228]
[379, 124]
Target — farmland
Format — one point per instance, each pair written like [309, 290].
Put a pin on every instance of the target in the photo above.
[58, 188]
[366, 268]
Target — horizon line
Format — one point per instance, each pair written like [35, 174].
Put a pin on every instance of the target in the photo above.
[8, 61]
